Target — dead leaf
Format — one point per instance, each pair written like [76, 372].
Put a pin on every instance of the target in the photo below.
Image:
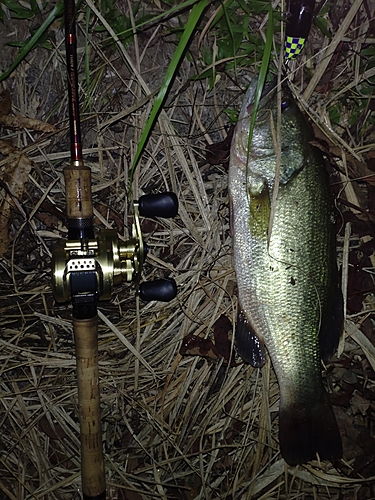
[193, 345]
[359, 404]
[54, 431]
[5, 102]
[20, 122]
[129, 495]
[49, 220]
[222, 334]
[218, 153]
[14, 176]
[6, 148]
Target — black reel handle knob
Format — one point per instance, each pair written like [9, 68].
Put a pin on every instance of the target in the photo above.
[163, 290]
[158, 205]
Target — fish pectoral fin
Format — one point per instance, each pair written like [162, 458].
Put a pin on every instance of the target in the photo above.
[260, 210]
[249, 345]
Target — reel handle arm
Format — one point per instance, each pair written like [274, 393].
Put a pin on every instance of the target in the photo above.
[158, 205]
[86, 273]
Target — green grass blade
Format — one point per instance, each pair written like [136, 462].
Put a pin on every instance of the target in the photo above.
[262, 76]
[258, 91]
[172, 12]
[56, 12]
[229, 24]
[191, 24]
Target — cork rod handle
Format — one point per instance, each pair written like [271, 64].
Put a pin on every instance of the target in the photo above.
[92, 462]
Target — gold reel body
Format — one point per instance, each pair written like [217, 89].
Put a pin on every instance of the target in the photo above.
[99, 264]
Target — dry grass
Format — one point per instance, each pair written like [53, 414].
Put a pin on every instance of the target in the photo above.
[174, 426]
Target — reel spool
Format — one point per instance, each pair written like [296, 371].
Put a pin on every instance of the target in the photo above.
[86, 271]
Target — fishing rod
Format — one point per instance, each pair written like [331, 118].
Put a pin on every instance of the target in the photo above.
[85, 268]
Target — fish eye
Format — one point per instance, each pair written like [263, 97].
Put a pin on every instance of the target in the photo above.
[285, 104]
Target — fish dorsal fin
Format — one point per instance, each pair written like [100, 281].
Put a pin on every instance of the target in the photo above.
[332, 324]
[249, 345]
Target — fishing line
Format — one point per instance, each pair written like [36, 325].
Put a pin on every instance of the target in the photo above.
[258, 91]
[276, 138]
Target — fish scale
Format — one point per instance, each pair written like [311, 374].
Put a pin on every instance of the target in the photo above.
[287, 286]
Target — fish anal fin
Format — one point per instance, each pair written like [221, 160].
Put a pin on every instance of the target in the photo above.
[249, 345]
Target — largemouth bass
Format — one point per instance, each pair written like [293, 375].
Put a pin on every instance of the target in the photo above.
[289, 298]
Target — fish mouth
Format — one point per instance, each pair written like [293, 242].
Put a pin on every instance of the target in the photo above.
[269, 88]
[266, 96]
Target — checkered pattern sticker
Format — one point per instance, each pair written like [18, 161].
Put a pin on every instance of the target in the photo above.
[293, 46]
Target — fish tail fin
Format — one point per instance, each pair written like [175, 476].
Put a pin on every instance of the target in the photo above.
[307, 429]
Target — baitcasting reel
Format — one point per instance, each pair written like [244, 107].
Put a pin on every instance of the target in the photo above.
[86, 270]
